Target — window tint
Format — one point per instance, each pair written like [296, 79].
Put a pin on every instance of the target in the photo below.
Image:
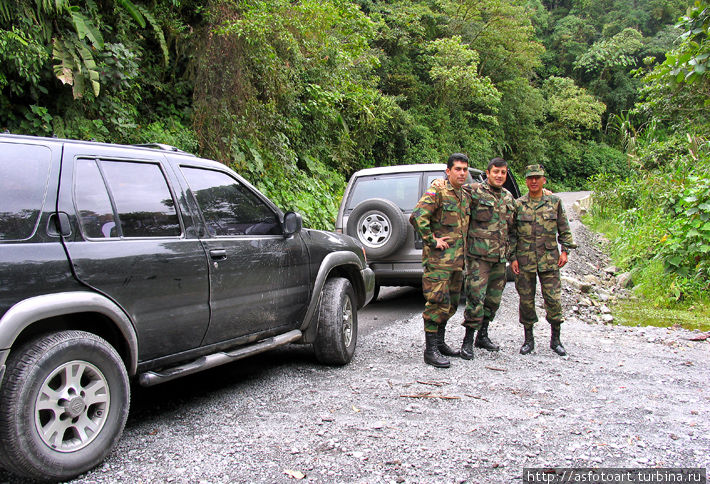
[229, 207]
[23, 183]
[430, 177]
[402, 189]
[141, 197]
[92, 201]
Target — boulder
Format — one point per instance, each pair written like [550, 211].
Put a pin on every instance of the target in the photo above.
[576, 283]
[624, 280]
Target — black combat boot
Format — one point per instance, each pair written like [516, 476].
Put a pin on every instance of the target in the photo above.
[431, 352]
[444, 349]
[467, 347]
[555, 343]
[529, 343]
[482, 339]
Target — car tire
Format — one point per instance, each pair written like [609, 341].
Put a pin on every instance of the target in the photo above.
[337, 323]
[379, 225]
[65, 399]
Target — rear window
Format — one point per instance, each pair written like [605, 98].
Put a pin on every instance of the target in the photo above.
[24, 171]
[138, 202]
[402, 190]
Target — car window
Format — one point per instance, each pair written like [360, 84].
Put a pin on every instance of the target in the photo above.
[230, 208]
[401, 189]
[24, 172]
[470, 178]
[142, 203]
[430, 177]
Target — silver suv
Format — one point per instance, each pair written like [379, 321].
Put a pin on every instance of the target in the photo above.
[375, 210]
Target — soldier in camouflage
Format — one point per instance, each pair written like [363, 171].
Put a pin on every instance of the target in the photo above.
[541, 224]
[488, 248]
[441, 218]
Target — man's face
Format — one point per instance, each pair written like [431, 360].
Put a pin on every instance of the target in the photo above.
[535, 184]
[496, 176]
[457, 174]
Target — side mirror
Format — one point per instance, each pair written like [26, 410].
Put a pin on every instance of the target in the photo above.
[293, 223]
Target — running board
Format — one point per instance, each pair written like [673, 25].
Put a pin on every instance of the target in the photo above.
[151, 378]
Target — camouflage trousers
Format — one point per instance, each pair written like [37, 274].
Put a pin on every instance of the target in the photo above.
[484, 288]
[442, 291]
[525, 283]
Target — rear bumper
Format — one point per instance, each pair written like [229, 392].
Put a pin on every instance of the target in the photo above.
[398, 274]
[368, 278]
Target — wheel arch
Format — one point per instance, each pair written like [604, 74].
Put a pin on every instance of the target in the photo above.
[77, 310]
[336, 264]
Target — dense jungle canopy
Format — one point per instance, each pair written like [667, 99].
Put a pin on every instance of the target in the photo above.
[296, 95]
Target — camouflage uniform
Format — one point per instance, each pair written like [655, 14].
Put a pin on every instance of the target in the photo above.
[540, 225]
[492, 220]
[442, 212]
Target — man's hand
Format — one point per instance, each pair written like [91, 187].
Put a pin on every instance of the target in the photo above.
[545, 191]
[562, 260]
[442, 242]
[439, 183]
[515, 267]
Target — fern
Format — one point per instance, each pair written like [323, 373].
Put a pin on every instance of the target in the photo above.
[158, 33]
[5, 11]
[134, 11]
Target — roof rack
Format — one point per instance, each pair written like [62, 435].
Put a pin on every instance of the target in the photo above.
[161, 146]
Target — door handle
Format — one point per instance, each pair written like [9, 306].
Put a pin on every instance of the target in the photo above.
[218, 254]
[58, 224]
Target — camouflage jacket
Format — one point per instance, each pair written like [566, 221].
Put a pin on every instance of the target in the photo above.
[442, 212]
[492, 221]
[540, 225]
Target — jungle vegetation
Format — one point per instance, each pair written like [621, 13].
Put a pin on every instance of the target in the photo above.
[609, 95]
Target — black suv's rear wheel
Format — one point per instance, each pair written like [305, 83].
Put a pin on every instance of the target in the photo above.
[379, 225]
[337, 323]
[65, 401]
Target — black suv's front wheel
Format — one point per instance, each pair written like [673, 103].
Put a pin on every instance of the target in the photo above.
[65, 400]
[337, 323]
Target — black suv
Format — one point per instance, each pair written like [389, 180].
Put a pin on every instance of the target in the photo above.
[123, 262]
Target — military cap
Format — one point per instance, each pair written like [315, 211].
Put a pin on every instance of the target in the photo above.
[534, 170]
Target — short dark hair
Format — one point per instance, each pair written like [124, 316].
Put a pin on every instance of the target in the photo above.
[454, 158]
[497, 162]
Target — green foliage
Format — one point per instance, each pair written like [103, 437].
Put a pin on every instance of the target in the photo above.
[315, 193]
[659, 224]
[522, 113]
[686, 246]
[297, 72]
[454, 73]
[501, 30]
[571, 107]
[607, 54]
[21, 62]
[314, 90]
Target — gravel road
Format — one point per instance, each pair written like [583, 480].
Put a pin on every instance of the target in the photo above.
[625, 397]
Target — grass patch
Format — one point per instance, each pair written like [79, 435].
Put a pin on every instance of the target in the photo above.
[642, 313]
[608, 227]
